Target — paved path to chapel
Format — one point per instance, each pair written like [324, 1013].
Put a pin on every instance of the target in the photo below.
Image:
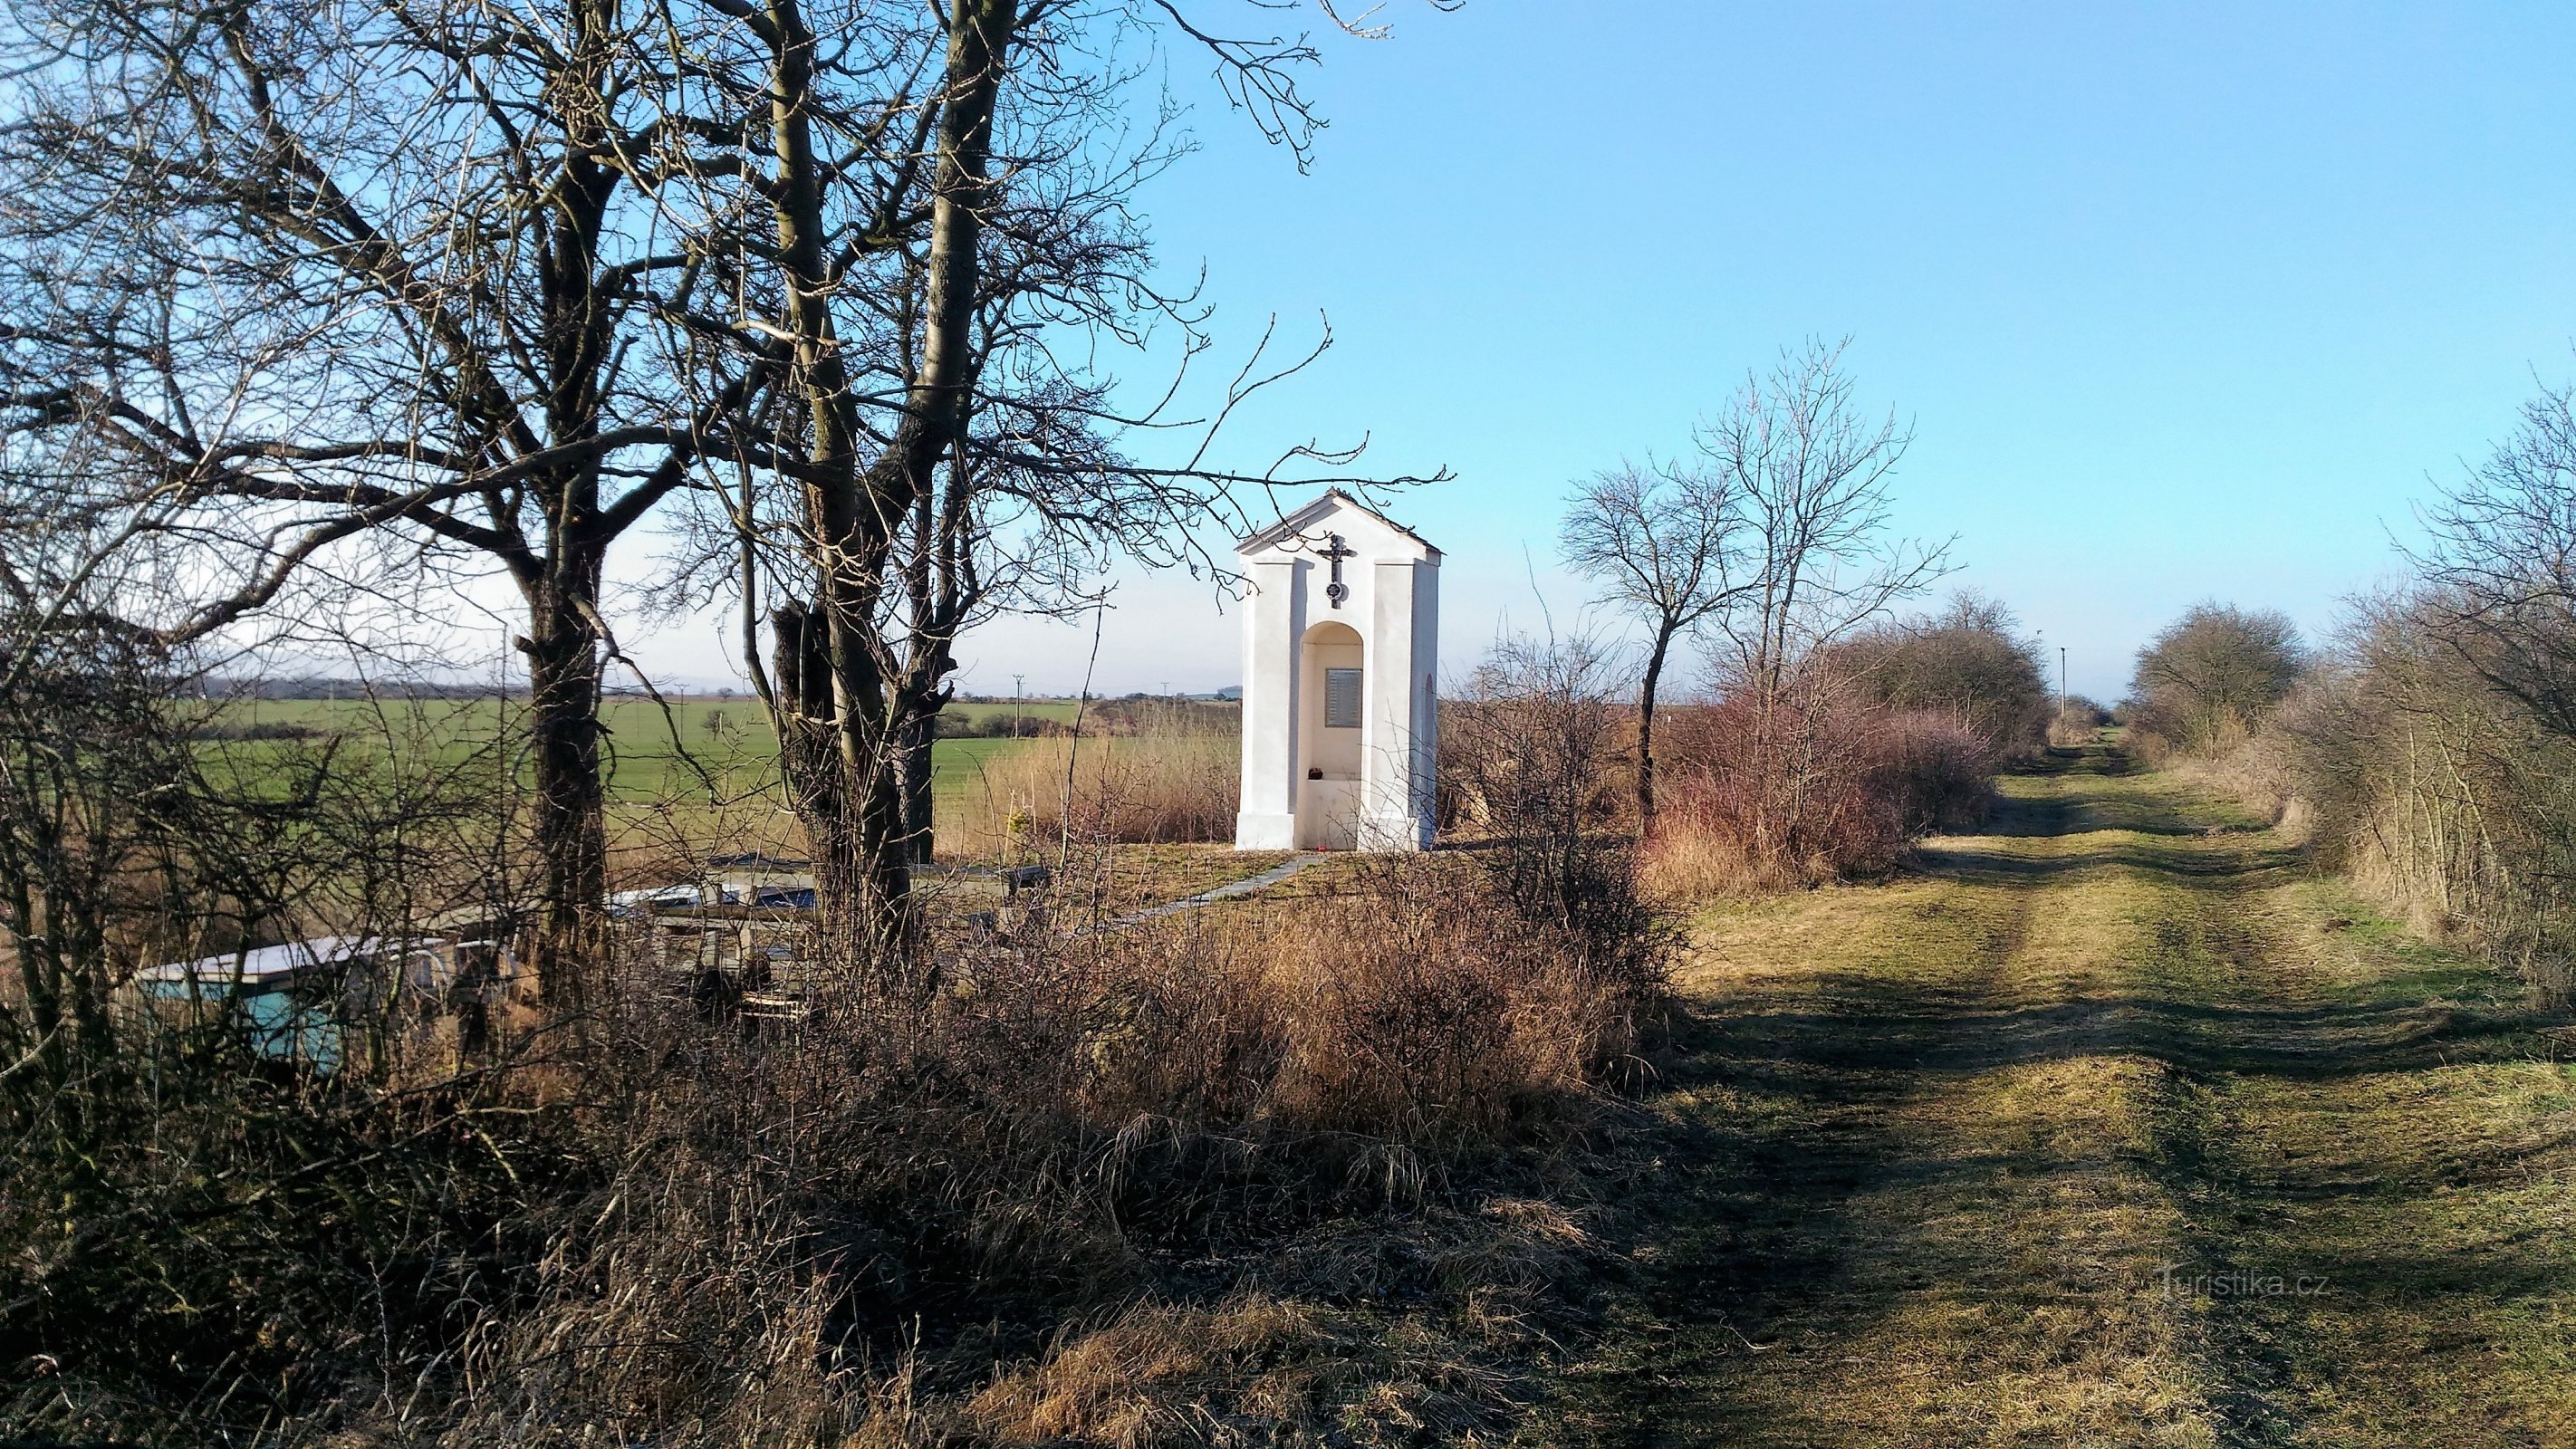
[2114, 1126]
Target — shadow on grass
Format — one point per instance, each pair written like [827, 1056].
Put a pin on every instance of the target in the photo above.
[2232, 871]
[1747, 1232]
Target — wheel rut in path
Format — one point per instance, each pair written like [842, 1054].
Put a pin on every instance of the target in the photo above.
[2102, 1127]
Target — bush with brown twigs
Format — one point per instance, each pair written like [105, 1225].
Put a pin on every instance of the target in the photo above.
[1820, 784]
[1968, 663]
[2076, 721]
[2434, 792]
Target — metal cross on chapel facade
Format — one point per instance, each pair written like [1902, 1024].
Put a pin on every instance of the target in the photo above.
[1337, 551]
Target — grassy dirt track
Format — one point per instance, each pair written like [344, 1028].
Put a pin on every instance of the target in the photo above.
[2113, 1126]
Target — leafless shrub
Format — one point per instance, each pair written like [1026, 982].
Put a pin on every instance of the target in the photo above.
[777, 1215]
[1938, 767]
[1969, 662]
[2204, 684]
[1430, 1016]
[208, 1237]
[1527, 754]
[2076, 721]
[1822, 784]
[2444, 796]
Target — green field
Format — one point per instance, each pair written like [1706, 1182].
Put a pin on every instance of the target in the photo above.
[728, 737]
[1060, 710]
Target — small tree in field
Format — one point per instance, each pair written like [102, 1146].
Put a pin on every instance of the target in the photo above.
[1654, 541]
[1819, 561]
[2211, 675]
[1817, 479]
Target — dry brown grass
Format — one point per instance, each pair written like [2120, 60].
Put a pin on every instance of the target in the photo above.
[1260, 1169]
[1150, 1377]
[1285, 1359]
[1234, 1168]
[1150, 787]
[1269, 1169]
[1689, 861]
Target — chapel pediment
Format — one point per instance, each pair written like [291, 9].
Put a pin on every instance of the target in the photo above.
[1337, 511]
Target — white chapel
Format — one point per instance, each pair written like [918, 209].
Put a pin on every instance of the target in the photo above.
[1341, 630]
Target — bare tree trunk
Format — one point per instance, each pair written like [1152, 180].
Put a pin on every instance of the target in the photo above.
[917, 824]
[863, 824]
[1646, 732]
[563, 646]
[570, 827]
[807, 759]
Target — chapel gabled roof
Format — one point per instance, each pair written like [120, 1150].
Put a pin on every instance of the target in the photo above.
[1297, 522]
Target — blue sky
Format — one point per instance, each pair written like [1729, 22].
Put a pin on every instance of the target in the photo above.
[2182, 301]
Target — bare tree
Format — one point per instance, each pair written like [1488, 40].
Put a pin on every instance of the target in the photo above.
[2501, 562]
[356, 285]
[1657, 541]
[1815, 477]
[941, 271]
[494, 280]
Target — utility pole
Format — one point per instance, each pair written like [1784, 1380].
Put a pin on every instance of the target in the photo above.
[2061, 679]
[1019, 687]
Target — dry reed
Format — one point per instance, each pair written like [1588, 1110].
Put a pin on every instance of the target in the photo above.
[1143, 788]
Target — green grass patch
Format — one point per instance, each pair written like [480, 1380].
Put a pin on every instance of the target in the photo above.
[648, 748]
